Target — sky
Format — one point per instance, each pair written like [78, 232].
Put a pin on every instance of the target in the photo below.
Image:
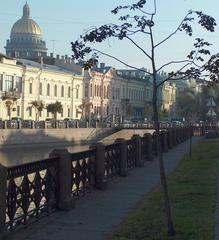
[64, 21]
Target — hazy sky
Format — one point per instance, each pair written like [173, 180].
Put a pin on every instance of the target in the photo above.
[63, 21]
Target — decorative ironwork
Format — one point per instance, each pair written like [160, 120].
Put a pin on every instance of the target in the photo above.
[131, 153]
[31, 190]
[144, 148]
[83, 172]
[112, 160]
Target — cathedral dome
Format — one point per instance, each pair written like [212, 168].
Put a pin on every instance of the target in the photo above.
[26, 25]
[26, 40]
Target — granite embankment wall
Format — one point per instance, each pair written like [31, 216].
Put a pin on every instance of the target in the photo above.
[75, 136]
[126, 134]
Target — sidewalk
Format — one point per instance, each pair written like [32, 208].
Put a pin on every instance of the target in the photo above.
[98, 212]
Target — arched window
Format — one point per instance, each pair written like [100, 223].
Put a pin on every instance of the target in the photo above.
[62, 91]
[69, 92]
[95, 90]
[55, 91]
[48, 89]
[41, 89]
[91, 90]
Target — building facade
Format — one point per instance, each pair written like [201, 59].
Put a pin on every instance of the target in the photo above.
[25, 81]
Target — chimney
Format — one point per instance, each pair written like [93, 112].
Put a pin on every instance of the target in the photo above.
[51, 55]
[102, 65]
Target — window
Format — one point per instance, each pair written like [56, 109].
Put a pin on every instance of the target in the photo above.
[77, 91]
[91, 90]
[62, 111]
[18, 84]
[30, 111]
[48, 89]
[95, 90]
[69, 92]
[1, 80]
[18, 111]
[68, 112]
[55, 91]
[8, 83]
[30, 87]
[104, 92]
[107, 91]
[113, 93]
[62, 91]
[86, 90]
[41, 89]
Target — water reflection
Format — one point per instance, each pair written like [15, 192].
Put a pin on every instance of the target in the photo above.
[12, 156]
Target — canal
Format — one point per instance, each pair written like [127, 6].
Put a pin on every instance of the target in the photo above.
[16, 155]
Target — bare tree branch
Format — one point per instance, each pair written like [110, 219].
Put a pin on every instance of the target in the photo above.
[176, 62]
[139, 47]
[172, 34]
[117, 59]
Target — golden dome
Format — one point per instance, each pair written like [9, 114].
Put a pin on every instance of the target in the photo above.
[26, 24]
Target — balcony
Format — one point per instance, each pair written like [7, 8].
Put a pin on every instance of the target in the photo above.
[13, 95]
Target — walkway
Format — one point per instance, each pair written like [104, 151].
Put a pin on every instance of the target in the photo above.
[97, 213]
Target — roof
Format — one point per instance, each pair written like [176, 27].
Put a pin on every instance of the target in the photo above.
[52, 68]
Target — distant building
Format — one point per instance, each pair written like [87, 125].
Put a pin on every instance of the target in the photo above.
[24, 81]
[26, 38]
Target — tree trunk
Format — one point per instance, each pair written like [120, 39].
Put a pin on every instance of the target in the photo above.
[163, 180]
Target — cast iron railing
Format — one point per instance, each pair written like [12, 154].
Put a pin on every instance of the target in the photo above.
[112, 160]
[31, 190]
[83, 172]
[131, 153]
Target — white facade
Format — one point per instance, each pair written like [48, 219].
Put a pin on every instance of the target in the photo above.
[25, 81]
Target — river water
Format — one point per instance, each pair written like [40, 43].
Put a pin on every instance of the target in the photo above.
[16, 155]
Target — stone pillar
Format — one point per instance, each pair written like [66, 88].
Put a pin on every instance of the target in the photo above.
[155, 143]
[3, 188]
[100, 182]
[65, 199]
[77, 124]
[32, 124]
[87, 124]
[164, 141]
[123, 156]
[169, 138]
[4, 124]
[149, 150]
[139, 162]
[18, 124]
[174, 136]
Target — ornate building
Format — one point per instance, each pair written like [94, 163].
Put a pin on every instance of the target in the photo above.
[26, 38]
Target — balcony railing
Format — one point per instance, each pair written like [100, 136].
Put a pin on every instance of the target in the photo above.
[11, 95]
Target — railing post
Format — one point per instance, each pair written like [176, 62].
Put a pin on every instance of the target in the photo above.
[155, 143]
[65, 199]
[3, 189]
[137, 139]
[4, 124]
[169, 138]
[100, 182]
[123, 156]
[148, 138]
[164, 141]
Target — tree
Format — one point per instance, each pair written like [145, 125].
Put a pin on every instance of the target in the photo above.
[163, 114]
[186, 105]
[9, 105]
[138, 20]
[39, 106]
[54, 108]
